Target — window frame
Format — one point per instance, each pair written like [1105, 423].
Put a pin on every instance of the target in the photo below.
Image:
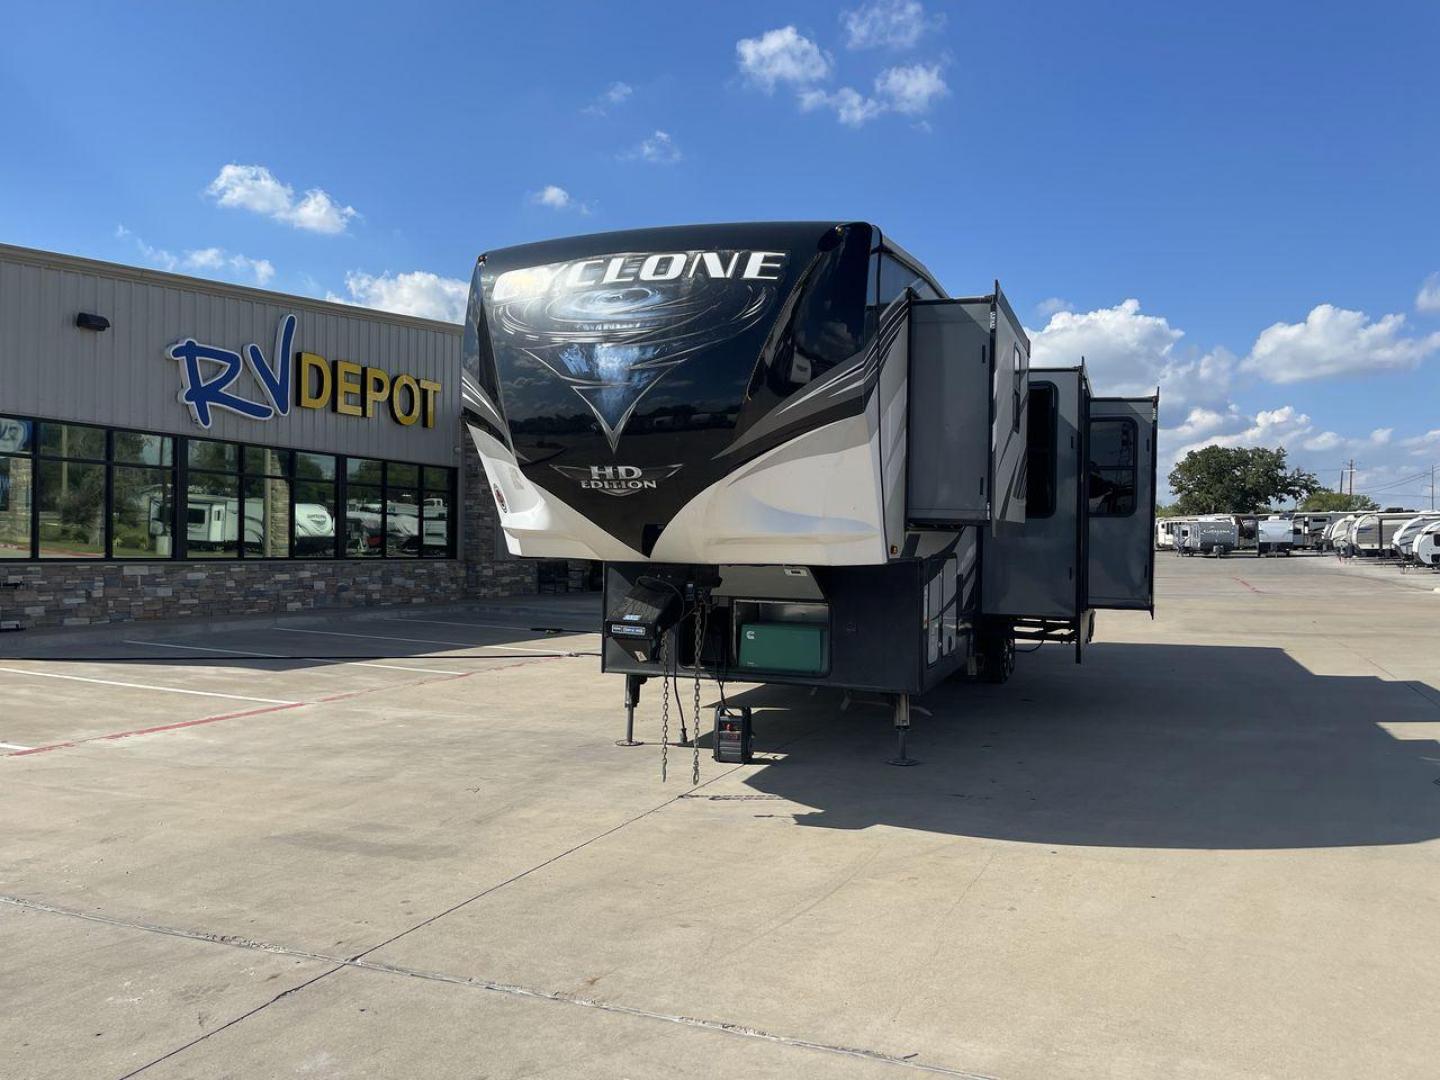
[1133, 467]
[1052, 391]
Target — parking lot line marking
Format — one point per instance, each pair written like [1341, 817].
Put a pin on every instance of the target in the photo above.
[282, 656]
[421, 640]
[179, 724]
[149, 686]
[488, 625]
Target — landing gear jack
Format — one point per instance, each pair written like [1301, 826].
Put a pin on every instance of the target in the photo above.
[902, 729]
[632, 698]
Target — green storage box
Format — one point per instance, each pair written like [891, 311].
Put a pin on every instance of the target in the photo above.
[798, 648]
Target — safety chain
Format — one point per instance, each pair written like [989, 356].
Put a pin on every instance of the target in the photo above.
[695, 717]
[665, 704]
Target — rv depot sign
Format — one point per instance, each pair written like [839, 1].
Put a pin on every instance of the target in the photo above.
[208, 377]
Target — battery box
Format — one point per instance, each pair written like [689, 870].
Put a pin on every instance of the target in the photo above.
[732, 734]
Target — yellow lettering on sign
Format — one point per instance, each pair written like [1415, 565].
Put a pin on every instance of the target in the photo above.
[312, 364]
[347, 382]
[353, 390]
[430, 390]
[377, 388]
[405, 416]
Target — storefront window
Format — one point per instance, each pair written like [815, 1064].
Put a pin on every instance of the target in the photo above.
[213, 456]
[72, 441]
[436, 530]
[93, 493]
[71, 509]
[213, 527]
[266, 461]
[267, 517]
[364, 521]
[314, 467]
[17, 497]
[142, 509]
[402, 530]
[135, 448]
[315, 511]
[435, 525]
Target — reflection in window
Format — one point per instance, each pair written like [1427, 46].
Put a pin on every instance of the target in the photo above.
[212, 515]
[267, 517]
[435, 525]
[141, 511]
[71, 509]
[314, 467]
[266, 461]
[402, 529]
[1040, 442]
[1112, 467]
[314, 515]
[136, 448]
[17, 496]
[364, 521]
[72, 441]
[213, 456]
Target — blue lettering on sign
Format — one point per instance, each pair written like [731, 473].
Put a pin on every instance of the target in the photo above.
[204, 389]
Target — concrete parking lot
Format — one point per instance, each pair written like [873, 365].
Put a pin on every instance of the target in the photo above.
[405, 844]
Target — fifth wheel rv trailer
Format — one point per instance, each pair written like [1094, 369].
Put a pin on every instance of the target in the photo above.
[801, 461]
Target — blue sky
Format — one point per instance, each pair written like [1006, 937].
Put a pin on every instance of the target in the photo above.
[1241, 202]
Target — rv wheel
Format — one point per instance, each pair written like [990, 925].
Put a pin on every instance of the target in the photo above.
[997, 657]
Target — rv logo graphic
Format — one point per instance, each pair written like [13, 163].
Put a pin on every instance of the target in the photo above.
[204, 389]
[614, 326]
[618, 480]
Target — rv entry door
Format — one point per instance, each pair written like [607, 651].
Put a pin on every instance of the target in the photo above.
[1120, 494]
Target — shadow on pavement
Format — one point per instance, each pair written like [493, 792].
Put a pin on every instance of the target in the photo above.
[1162, 746]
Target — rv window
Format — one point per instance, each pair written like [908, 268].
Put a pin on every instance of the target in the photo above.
[1040, 451]
[1112, 467]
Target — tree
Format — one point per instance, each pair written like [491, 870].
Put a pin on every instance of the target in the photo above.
[1236, 480]
[1325, 499]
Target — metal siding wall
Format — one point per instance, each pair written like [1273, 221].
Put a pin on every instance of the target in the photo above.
[121, 377]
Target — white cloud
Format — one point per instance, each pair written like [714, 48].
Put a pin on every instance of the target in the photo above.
[419, 292]
[893, 24]
[1052, 305]
[1381, 436]
[1423, 444]
[555, 197]
[256, 188]
[908, 90]
[911, 90]
[617, 93]
[209, 261]
[1428, 298]
[1128, 352]
[1334, 341]
[218, 259]
[659, 149]
[852, 108]
[781, 56]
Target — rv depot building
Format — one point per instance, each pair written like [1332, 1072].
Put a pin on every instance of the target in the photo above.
[171, 447]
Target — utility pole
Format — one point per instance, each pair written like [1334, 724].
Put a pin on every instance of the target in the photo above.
[1352, 476]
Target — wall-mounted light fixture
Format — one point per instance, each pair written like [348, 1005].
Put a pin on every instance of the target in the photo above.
[86, 321]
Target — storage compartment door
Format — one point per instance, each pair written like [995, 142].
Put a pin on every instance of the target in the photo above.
[1120, 499]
